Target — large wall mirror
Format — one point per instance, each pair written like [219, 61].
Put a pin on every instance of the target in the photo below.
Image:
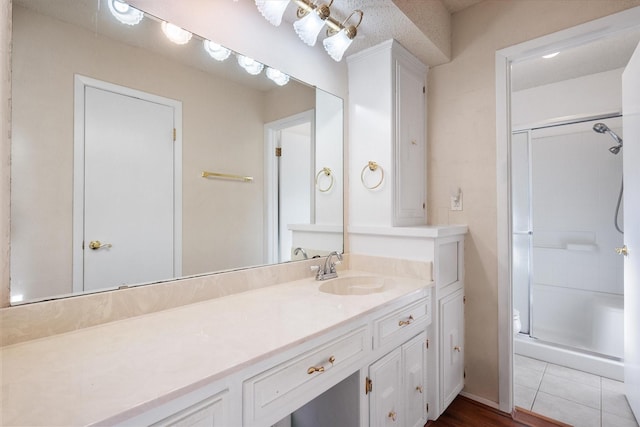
[137, 159]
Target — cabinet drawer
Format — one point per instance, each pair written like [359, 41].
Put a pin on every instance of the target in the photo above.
[210, 412]
[392, 325]
[294, 380]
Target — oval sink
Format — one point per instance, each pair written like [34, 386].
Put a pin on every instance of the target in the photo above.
[355, 285]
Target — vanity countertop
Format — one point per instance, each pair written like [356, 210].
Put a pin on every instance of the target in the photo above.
[94, 374]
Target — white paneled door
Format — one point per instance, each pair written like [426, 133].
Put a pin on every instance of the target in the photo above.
[631, 173]
[128, 220]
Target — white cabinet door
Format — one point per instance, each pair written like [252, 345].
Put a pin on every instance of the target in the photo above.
[414, 359]
[410, 183]
[451, 347]
[385, 404]
[399, 386]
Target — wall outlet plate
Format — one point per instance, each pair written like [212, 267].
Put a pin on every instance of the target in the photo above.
[456, 202]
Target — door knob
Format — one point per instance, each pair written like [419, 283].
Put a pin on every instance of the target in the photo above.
[622, 251]
[95, 245]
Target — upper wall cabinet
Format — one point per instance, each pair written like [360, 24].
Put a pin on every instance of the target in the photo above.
[387, 128]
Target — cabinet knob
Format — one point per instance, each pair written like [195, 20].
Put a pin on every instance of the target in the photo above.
[419, 389]
[406, 322]
[393, 415]
[457, 348]
[622, 251]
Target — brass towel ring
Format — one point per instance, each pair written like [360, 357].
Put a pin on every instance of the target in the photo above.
[372, 166]
[326, 172]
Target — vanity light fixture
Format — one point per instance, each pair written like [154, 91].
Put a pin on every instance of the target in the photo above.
[125, 13]
[312, 17]
[217, 52]
[277, 76]
[339, 42]
[272, 10]
[175, 33]
[251, 66]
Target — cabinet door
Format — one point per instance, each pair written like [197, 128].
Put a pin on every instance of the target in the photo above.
[414, 359]
[385, 405]
[451, 348]
[410, 183]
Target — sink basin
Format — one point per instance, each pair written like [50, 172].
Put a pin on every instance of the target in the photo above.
[355, 285]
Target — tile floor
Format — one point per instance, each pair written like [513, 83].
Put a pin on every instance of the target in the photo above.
[574, 397]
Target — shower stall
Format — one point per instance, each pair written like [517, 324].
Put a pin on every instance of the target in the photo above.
[567, 222]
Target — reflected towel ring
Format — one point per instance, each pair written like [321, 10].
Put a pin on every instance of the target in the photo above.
[372, 166]
[326, 172]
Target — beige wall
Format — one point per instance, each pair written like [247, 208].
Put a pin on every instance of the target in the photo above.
[222, 132]
[462, 149]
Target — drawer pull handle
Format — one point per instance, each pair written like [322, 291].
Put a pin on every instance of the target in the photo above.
[392, 415]
[406, 322]
[419, 389]
[315, 369]
[457, 348]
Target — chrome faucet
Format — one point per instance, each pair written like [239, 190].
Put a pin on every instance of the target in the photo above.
[328, 270]
[297, 250]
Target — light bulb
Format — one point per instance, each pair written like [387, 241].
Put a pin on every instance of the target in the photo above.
[217, 52]
[309, 27]
[175, 33]
[125, 13]
[272, 10]
[337, 44]
[277, 76]
[251, 66]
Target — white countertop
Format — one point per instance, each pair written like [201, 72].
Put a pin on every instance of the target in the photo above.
[93, 374]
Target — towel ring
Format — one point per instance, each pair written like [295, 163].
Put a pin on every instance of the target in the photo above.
[372, 166]
[326, 172]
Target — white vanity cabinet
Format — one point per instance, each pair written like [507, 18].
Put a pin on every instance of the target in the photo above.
[452, 347]
[397, 386]
[444, 245]
[387, 126]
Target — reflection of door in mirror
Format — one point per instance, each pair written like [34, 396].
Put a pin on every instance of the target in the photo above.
[289, 146]
[126, 204]
[294, 192]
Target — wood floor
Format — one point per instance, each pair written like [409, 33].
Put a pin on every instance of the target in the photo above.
[464, 412]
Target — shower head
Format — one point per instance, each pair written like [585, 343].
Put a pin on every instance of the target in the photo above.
[602, 128]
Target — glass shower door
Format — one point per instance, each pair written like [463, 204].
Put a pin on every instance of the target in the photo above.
[522, 237]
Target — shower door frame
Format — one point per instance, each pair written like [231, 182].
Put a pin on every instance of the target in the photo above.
[529, 129]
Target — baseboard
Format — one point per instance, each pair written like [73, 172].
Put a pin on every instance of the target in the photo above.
[482, 400]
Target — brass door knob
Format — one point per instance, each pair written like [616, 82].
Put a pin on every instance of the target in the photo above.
[95, 245]
[392, 415]
[622, 251]
[457, 348]
[419, 389]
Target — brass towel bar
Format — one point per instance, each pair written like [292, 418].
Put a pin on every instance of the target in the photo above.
[206, 174]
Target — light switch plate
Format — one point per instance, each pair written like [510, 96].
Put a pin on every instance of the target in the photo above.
[456, 202]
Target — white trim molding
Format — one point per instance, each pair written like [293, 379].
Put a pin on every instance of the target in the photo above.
[575, 36]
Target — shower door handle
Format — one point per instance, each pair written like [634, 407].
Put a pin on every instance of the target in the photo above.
[623, 251]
